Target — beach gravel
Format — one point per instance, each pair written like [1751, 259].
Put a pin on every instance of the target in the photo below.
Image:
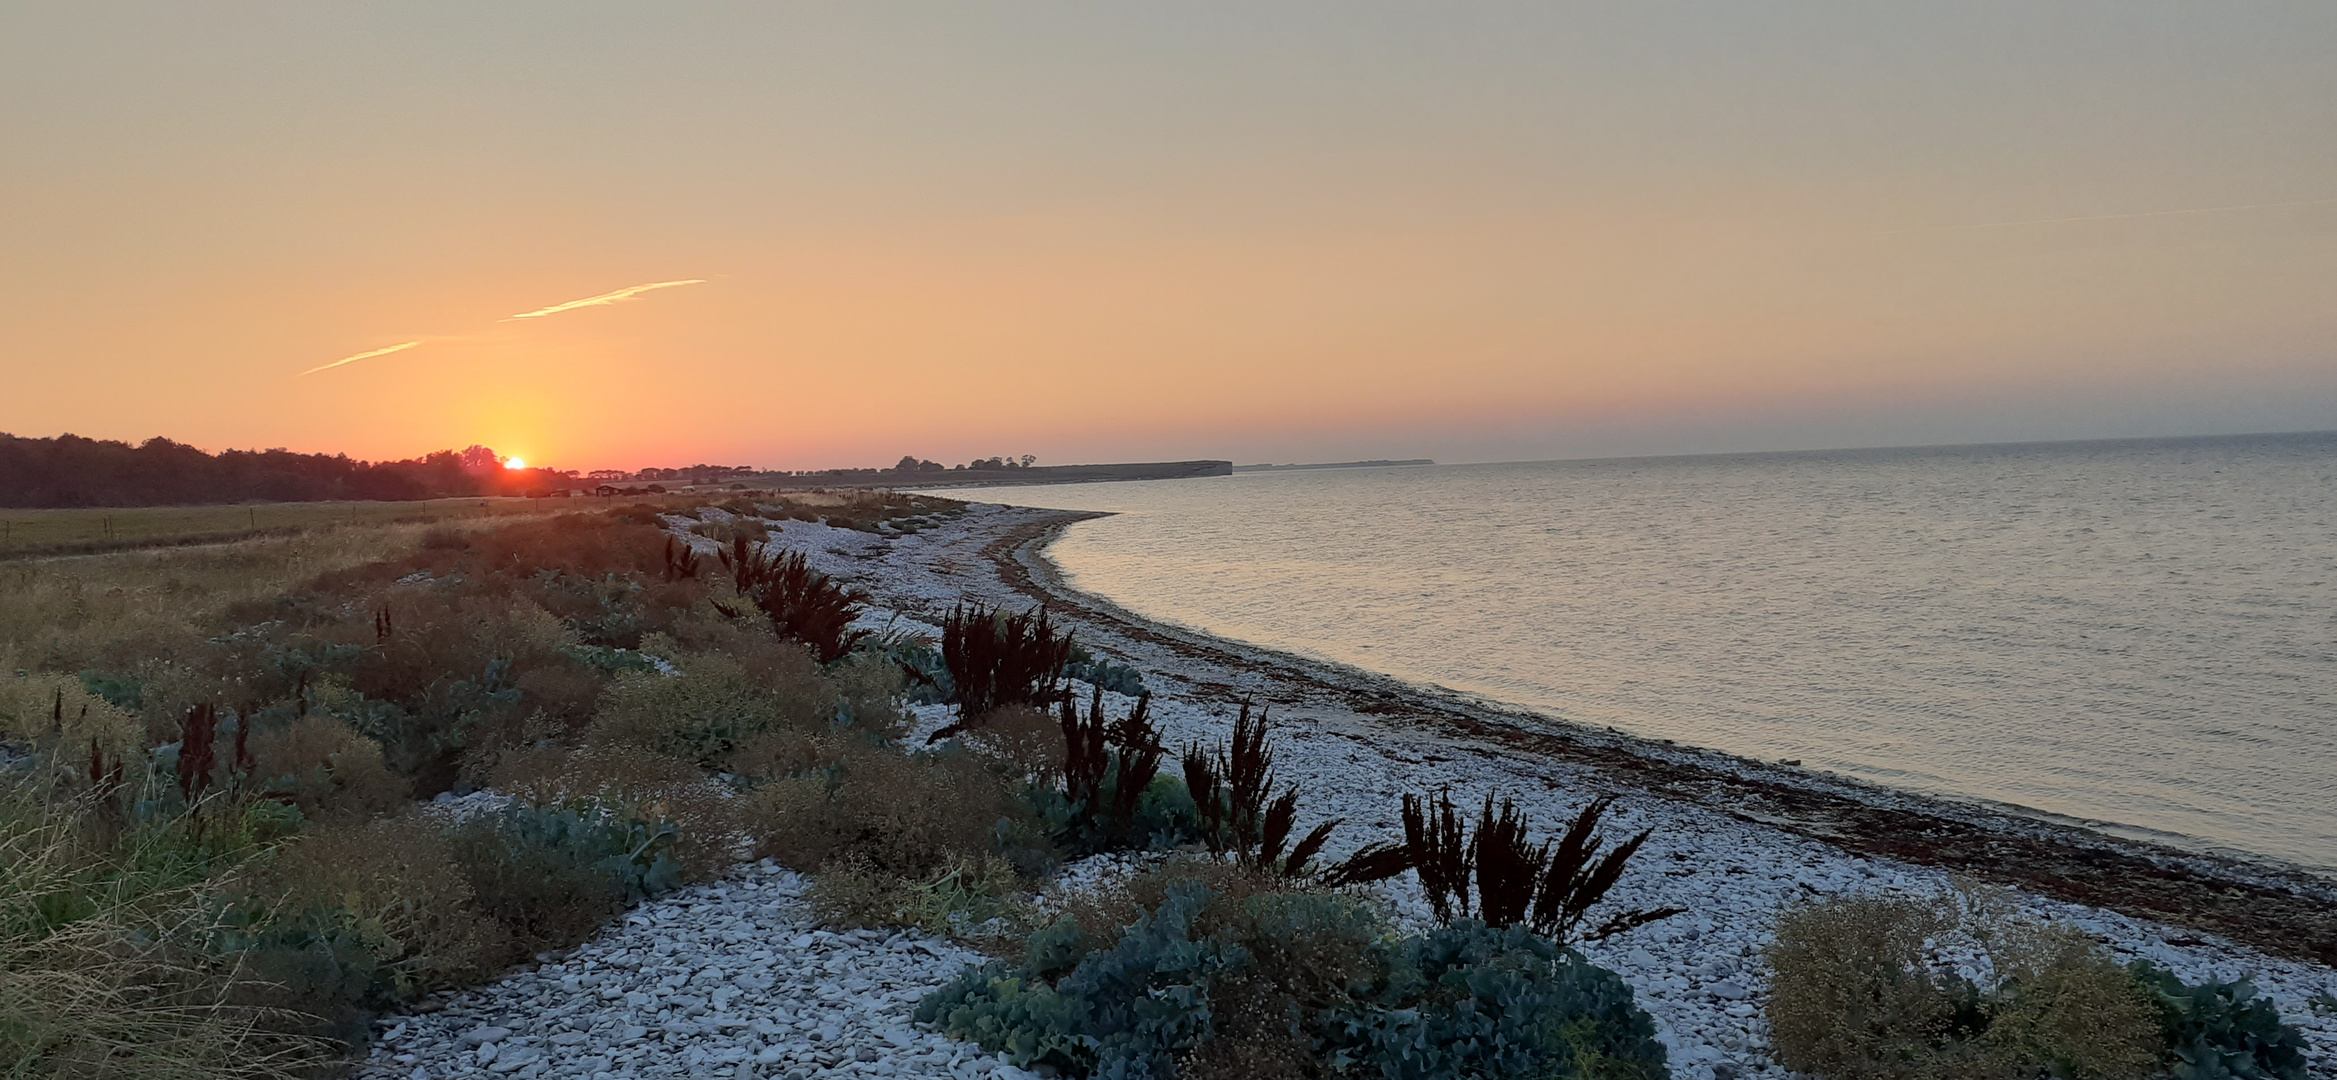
[733, 979]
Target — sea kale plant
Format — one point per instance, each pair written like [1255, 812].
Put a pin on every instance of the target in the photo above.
[1210, 983]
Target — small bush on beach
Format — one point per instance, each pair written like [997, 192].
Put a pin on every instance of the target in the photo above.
[553, 875]
[1114, 797]
[802, 603]
[703, 714]
[1860, 991]
[909, 817]
[323, 767]
[996, 660]
[1264, 982]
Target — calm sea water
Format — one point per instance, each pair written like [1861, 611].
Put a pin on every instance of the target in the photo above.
[2138, 634]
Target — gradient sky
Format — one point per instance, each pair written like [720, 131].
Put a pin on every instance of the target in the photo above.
[1282, 231]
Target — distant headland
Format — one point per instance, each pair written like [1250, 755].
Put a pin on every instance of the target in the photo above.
[1375, 463]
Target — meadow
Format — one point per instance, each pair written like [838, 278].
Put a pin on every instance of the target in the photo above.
[88, 530]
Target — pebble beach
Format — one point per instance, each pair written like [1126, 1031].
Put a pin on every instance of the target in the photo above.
[734, 979]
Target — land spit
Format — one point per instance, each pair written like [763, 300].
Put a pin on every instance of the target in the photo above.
[731, 979]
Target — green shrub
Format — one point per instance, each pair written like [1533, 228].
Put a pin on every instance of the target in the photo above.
[1470, 1000]
[892, 839]
[1856, 992]
[1284, 983]
[553, 875]
[702, 715]
[2220, 1030]
[955, 901]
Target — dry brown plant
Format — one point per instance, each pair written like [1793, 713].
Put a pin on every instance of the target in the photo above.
[328, 770]
[1024, 742]
[398, 878]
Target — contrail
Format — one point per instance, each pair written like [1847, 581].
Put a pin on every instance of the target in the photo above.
[604, 298]
[361, 356]
[2145, 214]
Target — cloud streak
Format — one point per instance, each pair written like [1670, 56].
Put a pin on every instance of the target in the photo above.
[2146, 214]
[361, 356]
[604, 299]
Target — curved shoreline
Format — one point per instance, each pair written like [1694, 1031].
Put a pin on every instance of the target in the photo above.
[2281, 910]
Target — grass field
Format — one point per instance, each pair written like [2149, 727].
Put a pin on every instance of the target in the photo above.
[83, 530]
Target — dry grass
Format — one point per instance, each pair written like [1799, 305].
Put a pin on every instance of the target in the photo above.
[397, 880]
[113, 993]
[88, 529]
[119, 611]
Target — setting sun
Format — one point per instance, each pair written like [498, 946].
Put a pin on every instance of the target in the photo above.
[514, 463]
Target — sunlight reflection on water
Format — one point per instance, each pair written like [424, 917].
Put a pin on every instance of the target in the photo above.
[2139, 633]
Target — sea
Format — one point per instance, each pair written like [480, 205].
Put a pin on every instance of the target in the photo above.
[2137, 635]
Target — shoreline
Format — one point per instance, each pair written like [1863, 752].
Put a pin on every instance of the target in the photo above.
[693, 983]
[2281, 909]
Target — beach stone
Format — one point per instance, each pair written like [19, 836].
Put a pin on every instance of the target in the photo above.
[734, 977]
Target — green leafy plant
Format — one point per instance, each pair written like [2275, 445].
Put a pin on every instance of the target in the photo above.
[552, 875]
[1207, 984]
[2220, 1030]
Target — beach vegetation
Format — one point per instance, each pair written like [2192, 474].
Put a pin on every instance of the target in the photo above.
[208, 756]
[1103, 673]
[997, 660]
[801, 603]
[1206, 968]
[1236, 809]
[1549, 888]
[1955, 986]
[1113, 795]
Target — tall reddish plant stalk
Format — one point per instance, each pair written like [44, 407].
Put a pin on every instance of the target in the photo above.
[1550, 888]
[198, 736]
[1231, 791]
[1123, 756]
[802, 603]
[996, 660]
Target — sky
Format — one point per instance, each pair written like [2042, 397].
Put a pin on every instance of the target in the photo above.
[1100, 232]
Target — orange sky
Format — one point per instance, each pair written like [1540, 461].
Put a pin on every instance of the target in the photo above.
[1315, 231]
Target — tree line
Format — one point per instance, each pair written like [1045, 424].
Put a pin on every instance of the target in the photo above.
[69, 470]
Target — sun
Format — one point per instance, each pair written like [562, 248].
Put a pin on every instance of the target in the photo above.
[514, 463]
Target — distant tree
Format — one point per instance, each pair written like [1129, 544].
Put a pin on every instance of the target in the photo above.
[1029, 460]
